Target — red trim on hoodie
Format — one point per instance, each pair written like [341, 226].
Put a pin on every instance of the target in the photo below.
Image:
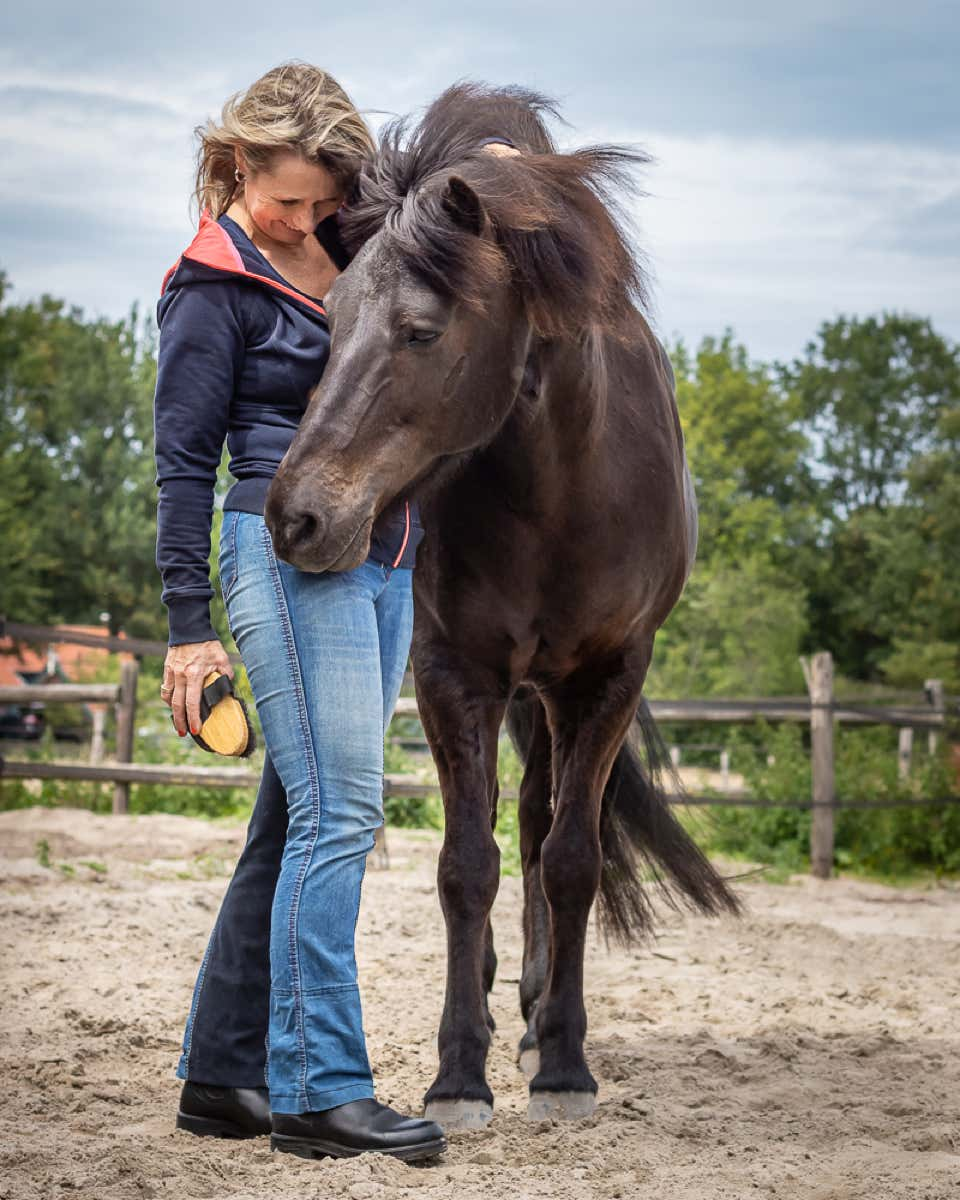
[213, 247]
[406, 536]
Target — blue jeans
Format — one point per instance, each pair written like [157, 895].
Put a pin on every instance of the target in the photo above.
[325, 656]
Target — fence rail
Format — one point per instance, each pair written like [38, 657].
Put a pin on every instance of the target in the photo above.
[60, 693]
[741, 712]
[140, 647]
[393, 784]
[822, 712]
[166, 773]
[730, 712]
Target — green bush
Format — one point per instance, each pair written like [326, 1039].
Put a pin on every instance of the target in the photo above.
[413, 812]
[891, 842]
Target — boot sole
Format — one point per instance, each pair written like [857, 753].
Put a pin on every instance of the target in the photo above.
[213, 1127]
[317, 1148]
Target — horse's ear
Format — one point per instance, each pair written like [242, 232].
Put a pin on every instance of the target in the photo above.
[463, 205]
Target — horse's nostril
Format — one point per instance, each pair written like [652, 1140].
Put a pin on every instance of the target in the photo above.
[300, 528]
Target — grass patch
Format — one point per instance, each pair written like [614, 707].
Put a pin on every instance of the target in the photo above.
[206, 866]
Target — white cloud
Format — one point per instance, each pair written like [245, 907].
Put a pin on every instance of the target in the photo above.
[774, 239]
[769, 238]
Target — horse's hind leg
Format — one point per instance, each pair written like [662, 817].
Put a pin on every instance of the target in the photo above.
[589, 719]
[462, 724]
[535, 818]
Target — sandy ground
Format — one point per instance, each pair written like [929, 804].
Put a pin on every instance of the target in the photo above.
[807, 1051]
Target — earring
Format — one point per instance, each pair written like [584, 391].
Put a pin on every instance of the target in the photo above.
[238, 175]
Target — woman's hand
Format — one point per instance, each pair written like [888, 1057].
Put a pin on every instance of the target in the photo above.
[184, 670]
[500, 150]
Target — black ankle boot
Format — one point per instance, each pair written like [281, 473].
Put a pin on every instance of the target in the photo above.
[354, 1128]
[213, 1111]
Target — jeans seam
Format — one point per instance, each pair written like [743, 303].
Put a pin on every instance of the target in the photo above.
[234, 524]
[197, 992]
[228, 591]
[286, 628]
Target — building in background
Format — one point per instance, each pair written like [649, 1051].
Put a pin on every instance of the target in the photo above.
[52, 662]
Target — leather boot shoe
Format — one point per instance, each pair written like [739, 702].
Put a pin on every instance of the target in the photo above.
[224, 1111]
[355, 1128]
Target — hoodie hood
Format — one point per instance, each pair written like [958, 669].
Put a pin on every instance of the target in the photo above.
[213, 249]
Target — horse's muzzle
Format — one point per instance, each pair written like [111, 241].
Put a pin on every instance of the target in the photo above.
[303, 537]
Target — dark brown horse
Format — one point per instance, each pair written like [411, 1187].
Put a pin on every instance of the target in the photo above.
[489, 358]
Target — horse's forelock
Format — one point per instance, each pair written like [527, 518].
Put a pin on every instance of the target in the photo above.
[556, 219]
[451, 261]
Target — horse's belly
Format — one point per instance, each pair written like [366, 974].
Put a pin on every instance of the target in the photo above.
[567, 631]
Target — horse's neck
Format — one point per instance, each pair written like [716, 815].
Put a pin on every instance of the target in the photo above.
[581, 418]
[557, 425]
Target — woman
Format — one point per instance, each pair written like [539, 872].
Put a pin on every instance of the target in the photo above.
[243, 340]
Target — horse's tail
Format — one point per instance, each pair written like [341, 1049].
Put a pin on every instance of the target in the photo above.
[638, 830]
[636, 823]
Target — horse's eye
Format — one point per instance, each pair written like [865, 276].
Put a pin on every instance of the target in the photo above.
[422, 337]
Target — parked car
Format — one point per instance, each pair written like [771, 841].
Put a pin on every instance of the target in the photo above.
[24, 724]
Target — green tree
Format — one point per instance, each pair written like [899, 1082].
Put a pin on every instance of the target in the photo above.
[880, 398]
[747, 452]
[77, 497]
[737, 631]
[873, 392]
[741, 622]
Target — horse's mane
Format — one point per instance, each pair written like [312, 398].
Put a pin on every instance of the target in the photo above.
[558, 231]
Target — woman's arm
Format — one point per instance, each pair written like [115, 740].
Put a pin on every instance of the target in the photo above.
[199, 361]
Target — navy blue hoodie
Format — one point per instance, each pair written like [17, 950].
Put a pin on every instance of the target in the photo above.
[240, 351]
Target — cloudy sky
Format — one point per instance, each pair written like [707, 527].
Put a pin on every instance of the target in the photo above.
[808, 155]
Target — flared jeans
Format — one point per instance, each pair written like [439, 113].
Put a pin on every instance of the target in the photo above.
[277, 999]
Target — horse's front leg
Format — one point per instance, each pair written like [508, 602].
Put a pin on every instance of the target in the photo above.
[461, 722]
[589, 718]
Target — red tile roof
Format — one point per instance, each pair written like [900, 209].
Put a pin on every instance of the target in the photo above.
[75, 663]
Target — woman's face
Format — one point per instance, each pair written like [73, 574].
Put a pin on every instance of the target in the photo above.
[289, 199]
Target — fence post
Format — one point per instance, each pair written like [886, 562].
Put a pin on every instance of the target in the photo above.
[725, 770]
[96, 742]
[933, 688]
[820, 684]
[905, 751]
[126, 726]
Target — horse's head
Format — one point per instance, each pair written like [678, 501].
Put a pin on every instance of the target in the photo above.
[416, 379]
[464, 262]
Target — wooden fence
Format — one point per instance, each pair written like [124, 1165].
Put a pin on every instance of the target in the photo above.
[821, 711]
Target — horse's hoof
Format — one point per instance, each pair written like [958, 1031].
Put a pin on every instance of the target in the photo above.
[454, 1115]
[530, 1062]
[567, 1106]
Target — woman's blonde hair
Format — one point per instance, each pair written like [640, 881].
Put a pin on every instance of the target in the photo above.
[293, 107]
